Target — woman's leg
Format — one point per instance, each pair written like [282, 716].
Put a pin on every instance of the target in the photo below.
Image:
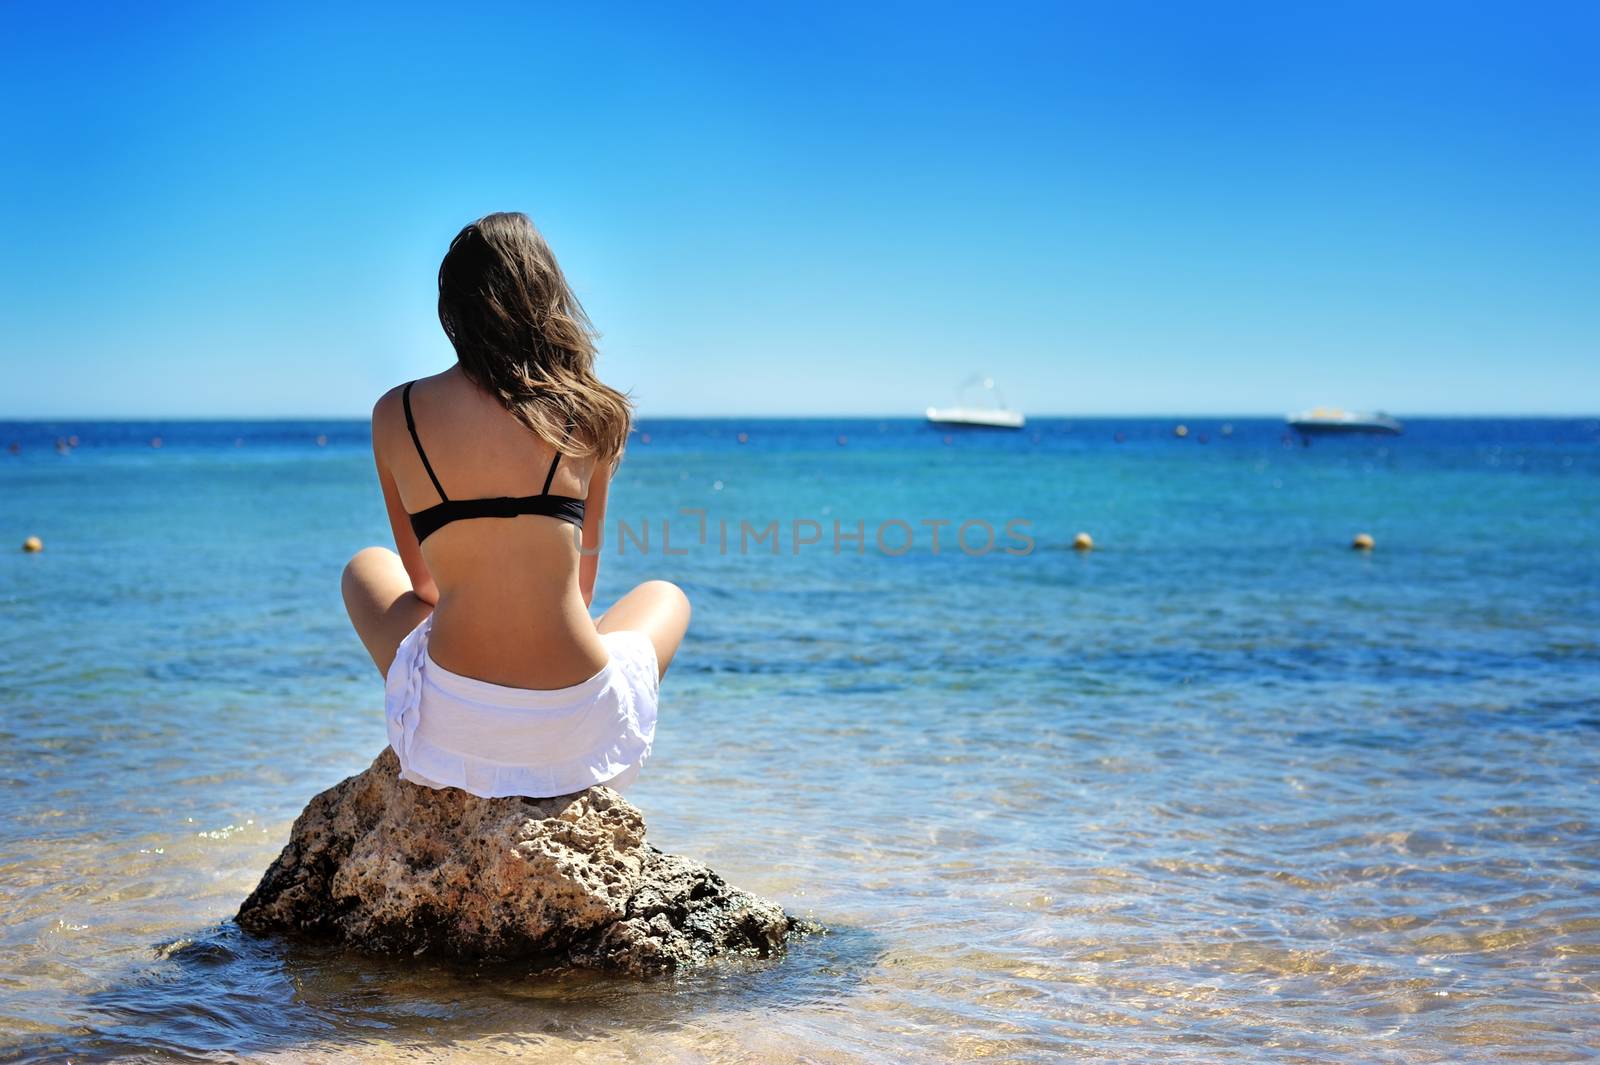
[659, 609]
[382, 606]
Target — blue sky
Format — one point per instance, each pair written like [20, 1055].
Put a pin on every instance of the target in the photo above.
[230, 210]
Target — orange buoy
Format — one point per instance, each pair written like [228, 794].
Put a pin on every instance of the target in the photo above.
[1362, 542]
[33, 545]
[1083, 542]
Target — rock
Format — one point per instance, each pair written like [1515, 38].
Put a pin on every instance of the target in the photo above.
[391, 867]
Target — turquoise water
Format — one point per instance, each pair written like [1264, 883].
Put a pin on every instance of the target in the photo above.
[1220, 790]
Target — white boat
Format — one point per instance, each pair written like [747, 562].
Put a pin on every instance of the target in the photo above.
[1334, 420]
[990, 413]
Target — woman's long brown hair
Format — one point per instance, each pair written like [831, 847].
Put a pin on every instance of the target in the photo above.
[521, 335]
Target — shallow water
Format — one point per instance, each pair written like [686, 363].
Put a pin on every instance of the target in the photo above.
[1220, 790]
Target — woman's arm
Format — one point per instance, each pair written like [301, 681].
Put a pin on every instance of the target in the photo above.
[405, 541]
[594, 528]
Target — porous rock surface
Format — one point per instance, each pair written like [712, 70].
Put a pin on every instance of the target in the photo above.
[390, 867]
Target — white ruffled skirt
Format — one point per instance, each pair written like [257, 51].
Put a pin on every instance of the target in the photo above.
[451, 731]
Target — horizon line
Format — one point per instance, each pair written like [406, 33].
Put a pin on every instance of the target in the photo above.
[1148, 415]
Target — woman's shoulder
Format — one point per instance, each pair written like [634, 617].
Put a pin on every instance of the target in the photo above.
[387, 410]
[389, 402]
[386, 402]
[388, 414]
[387, 417]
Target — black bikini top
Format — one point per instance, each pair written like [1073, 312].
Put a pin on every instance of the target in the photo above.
[427, 522]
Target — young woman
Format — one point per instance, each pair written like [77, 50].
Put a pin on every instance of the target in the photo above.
[495, 474]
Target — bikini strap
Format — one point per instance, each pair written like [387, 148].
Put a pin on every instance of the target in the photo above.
[411, 424]
[556, 461]
[552, 474]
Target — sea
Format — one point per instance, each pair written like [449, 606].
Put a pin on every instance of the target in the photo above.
[1219, 789]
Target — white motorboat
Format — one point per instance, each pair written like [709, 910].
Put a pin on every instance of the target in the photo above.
[989, 413]
[1334, 420]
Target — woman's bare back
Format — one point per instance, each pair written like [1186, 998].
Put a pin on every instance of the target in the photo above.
[512, 599]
